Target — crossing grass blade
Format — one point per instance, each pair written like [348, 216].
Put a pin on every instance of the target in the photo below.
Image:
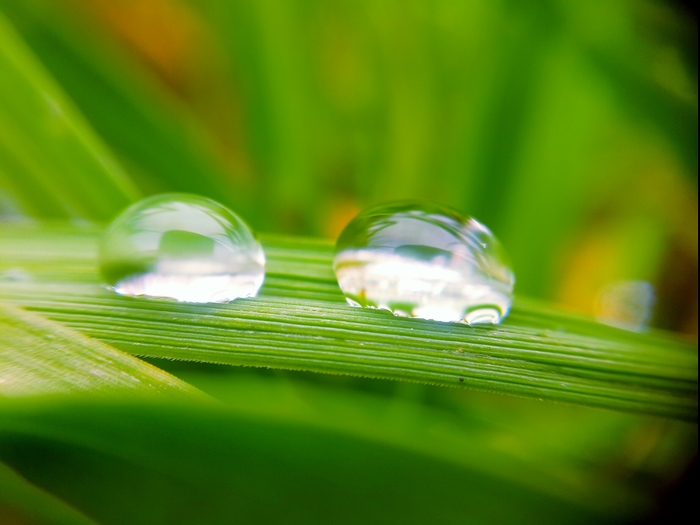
[38, 356]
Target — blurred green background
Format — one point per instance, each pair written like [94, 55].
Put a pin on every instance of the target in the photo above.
[568, 127]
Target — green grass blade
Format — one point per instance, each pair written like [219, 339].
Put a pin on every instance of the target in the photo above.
[301, 322]
[23, 502]
[51, 162]
[544, 451]
[38, 356]
[201, 464]
[152, 131]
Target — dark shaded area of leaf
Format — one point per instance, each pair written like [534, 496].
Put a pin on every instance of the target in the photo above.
[116, 465]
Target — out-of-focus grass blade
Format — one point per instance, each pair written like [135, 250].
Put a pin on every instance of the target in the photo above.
[269, 50]
[194, 464]
[546, 447]
[38, 356]
[21, 502]
[674, 117]
[151, 130]
[51, 162]
[301, 322]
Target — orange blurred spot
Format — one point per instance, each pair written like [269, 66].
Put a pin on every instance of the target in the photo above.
[338, 215]
[160, 31]
[171, 40]
[588, 269]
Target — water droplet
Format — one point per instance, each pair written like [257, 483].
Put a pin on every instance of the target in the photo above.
[184, 247]
[424, 261]
[626, 304]
[15, 275]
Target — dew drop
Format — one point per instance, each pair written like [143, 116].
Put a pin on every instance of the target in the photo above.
[424, 260]
[183, 247]
[15, 275]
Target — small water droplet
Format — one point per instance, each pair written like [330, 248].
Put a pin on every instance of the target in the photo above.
[626, 304]
[15, 275]
[184, 247]
[424, 261]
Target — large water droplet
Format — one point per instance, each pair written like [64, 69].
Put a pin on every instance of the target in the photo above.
[182, 246]
[425, 261]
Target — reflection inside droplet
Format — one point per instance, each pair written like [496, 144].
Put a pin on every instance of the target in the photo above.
[424, 261]
[184, 247]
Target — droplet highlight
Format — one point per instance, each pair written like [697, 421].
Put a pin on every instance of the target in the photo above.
[424, 260]
[183, 247]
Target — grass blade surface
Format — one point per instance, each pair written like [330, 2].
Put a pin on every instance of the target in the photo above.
[301, 322]
[38, 356]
